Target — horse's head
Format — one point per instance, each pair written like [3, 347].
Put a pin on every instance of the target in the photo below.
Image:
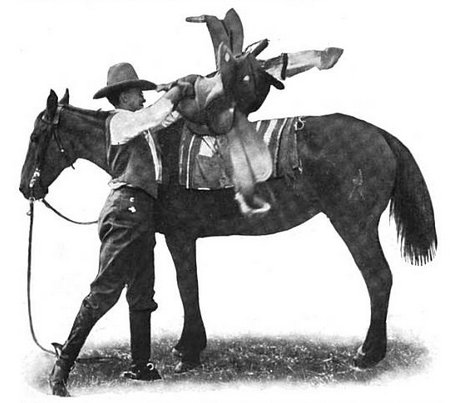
[61, 134]
[44, 147]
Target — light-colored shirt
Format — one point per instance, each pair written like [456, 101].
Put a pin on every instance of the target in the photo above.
[125, 125]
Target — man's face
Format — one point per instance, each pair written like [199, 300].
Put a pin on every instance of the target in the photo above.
[131, 99]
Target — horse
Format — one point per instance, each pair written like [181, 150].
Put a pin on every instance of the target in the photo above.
[349, 170]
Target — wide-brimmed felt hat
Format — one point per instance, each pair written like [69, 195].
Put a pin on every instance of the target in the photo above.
[122, 76]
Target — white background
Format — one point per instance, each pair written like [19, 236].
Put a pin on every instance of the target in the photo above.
[397, 71]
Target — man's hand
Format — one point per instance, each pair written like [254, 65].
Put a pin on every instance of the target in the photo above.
[182, 88]
[186, 85]
[186, 90]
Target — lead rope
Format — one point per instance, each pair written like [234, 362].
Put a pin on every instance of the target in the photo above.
[57, 346]
[65, 217]
[29, 281]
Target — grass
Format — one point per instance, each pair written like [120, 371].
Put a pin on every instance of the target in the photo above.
[248, 360]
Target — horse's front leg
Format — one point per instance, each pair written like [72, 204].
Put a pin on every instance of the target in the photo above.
[193, 338]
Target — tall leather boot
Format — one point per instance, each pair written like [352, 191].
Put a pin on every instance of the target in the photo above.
[67, 354]
[140, 346]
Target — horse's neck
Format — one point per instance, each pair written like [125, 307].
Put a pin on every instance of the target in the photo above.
[87, 131]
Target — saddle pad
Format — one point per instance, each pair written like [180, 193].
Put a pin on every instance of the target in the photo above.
[201, 157]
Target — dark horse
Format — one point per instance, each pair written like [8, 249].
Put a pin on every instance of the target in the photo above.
[349, 170]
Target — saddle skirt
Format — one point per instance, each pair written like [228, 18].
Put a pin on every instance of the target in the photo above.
[203, 158]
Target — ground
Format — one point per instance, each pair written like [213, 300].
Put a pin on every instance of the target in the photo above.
[226, 361]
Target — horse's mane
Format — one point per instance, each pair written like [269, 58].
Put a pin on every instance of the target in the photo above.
[98, 114]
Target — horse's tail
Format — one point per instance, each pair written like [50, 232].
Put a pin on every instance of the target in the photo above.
[411, 207]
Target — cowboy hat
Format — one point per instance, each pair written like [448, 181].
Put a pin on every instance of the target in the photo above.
[123, 76]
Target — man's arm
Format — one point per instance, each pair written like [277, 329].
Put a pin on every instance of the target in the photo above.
[126, 125]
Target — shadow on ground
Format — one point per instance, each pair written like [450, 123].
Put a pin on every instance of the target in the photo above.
[248, 360]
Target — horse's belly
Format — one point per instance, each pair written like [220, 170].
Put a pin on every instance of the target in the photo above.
[216, 213]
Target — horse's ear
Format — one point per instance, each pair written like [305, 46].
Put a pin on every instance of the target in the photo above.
[51, 105]
[65, 100]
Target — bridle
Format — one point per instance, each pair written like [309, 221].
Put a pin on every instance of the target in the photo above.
[55, 134]
[39, 160]
[41, 152]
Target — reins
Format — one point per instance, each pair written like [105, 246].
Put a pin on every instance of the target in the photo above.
[48, 205]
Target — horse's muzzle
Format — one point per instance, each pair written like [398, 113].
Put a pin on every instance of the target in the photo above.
[36, 192]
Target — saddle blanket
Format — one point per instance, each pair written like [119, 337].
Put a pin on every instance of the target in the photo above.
[201, 163]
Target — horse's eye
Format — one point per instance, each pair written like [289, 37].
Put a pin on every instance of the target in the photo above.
[246, 78]
[34, 137]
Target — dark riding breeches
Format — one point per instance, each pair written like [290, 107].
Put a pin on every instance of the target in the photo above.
[126, 231]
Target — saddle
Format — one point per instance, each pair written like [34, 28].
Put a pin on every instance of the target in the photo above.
[204, 163]
[236, 154]
[221, 105]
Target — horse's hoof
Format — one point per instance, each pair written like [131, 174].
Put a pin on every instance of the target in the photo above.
[176, 353]
[186, 366]
[363, 361]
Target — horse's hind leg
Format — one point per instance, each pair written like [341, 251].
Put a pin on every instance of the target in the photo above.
[363, 242]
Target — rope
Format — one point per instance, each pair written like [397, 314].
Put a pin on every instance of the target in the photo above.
[57, 346]
[29, 281]
[65, 217]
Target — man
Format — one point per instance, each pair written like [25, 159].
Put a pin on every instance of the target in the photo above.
[126, 226]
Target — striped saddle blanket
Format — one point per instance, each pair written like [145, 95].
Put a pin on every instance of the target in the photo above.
[201, 164]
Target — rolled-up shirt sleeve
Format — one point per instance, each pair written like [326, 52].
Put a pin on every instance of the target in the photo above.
[171, 118]
[125, 125]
